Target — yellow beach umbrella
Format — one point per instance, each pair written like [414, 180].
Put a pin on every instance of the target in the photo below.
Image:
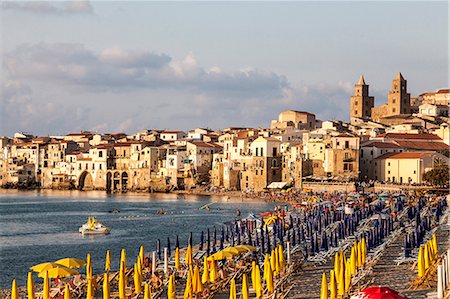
[46, 289]
[281, 259]
[123, 258]
[108, 261]
[244, 248]
[188, 289]
[336, 263]
[213, 273]
[348, 276]
[14, 290]
[205, 275]
[258, 286]
[341, 281]
[189, 260]
[141, 253]
[71, 262]
[266, 265]
[177, 258]
[67, 292]
[122, 282]
[273, 260]
[106, 287]
[221, 255]
[30, 286]
[426, 257]
[233, 289]
[171, 288]
[244, 286]
[333, 289]
[90, 289]
[198, 287]
[147, 291]
[364, 250]
[88, 266]
[353, 261]
[44, 266]
[59, 272]
[435, 245]
[137, 280]
[253, 275]
[269, 280]
[234, 251]
[324, 288]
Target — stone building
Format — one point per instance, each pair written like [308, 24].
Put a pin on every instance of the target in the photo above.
[295, 120]
[361, 103]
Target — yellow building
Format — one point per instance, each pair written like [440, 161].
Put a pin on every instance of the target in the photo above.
[406, 167]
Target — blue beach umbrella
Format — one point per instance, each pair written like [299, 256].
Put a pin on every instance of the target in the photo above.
[177, 243]
[158, 248]
[168, 246]
[208, 243]
[201, 241]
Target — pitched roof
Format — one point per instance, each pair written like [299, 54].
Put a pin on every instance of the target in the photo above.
[361, 80]
[423, 145]
[421, 136]
[406, 155]
[380, 144]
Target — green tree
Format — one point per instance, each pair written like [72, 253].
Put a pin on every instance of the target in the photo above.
[439, 175]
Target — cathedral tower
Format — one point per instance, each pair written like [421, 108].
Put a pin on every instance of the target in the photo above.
[361, 103]
[398, 97]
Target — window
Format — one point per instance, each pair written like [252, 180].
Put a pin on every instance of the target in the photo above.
[256, 171]
[414, 172]
[100, 166]
[393, 101]
[371, 152]
[274, 163]
[262, 152]
[389, 163]
[347, 144]
[257, 151]
[393, 110]
[389, 172]
[274, 172]
[356, 112]
[274, 151]
[347, 156]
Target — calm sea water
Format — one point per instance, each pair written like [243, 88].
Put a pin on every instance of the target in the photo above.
[37, 227]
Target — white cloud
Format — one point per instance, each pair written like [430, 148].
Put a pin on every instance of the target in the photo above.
[49, 7]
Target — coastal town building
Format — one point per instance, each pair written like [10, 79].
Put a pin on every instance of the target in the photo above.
[361, 103]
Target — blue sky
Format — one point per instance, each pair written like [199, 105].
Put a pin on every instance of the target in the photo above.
[126, 66]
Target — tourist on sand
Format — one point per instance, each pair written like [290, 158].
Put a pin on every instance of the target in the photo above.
[156, 281]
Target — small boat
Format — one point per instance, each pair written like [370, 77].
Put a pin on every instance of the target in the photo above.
[94, 227]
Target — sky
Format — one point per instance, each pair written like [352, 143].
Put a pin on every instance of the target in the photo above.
[125, 66]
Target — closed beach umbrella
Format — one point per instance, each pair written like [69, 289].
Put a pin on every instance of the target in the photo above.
[123, 258]
[108, 261]
[200, 247]
[333, 289]
[198, 287]
[266, 266]
[158, 248]
[106, 287]
[208, 243]
[244, 286]
[177, 258]
[205, 275]
[46, 289]
[142, 253]
[281, 259]
[258, 285]
[188, 289]
[122, 282]
[171, 288]
[213, 272]
[71, 262]
[137, 280]
[14, 290]
[88, 265]
[273, 260]
[67, 292]
[189, 260]
[253, 273]
[169, 249]
[90, 289]
[233, 290]
[30, 286]
[177, 242]
[324, 288]
[420, 263]
[269, 280]
[147, 292]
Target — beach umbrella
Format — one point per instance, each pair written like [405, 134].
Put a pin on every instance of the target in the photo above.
[188, 289]
[158, 248]
[71, 262]
[30, 286]
[213, 272]
[426, 256]
[239, 238]
[46, 288]
[177, 242]
[137, 280]
[221, 255]
[142, 253]
[177, 258]
[123, 258]
[273, 260]
[200, 246]
[108, 261]
[253, 273]
[147, 291]
[214, 237]
[122, 281]
[233, 289]
[205, 275]
[90, 289]
[58, 272]
[198, 287]
[266, 265]
[44, 266]
[189, 260]
[348, 276]
[281, 259]
[336, 263]
[378, 293]
[171, 288]
[190, 239]
[67, 292]
[324, 288]
[88, 266]
[420, 263]
[168, 247]
[341, 281]
[333, 289]
[244, 290]
[258, 286]
[269, 279]
[208, 243]
[106, 287]
[221, 243]
[14, 290]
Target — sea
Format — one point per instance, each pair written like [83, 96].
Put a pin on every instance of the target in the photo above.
[42, 226]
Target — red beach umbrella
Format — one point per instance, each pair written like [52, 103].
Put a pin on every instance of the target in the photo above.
[378, 293]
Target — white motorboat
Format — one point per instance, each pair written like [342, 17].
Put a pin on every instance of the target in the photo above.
[94, 227]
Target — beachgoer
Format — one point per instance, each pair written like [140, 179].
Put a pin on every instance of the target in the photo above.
[156, 281]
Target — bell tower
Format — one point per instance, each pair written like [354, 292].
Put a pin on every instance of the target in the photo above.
[361, 103]
[398, 97]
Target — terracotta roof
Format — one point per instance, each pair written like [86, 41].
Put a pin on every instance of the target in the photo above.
[422, 136]
[406, 155]
[84, 159]
[380, 144]
[443, 91]
[171, 132]
[204, 144]
[423, 145]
